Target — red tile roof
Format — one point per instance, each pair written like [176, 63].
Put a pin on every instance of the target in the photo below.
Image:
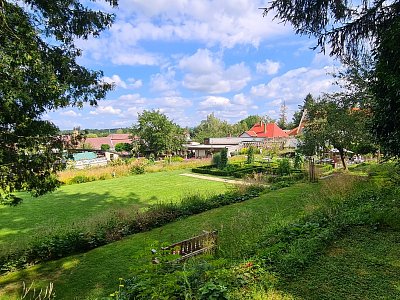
[111, 140]
[270, 130]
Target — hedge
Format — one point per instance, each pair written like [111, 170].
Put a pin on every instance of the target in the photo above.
[77, 240]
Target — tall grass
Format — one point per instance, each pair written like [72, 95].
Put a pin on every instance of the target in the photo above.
[125, 169]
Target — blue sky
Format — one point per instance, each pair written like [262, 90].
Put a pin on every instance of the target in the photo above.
[190, 58]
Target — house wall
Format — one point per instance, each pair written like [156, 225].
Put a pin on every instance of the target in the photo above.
[201, 153]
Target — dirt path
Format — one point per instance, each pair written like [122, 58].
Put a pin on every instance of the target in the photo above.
[215, 179]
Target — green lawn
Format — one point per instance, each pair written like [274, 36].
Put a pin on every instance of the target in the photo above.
[96, 273]
[76, 203]
[365, 264]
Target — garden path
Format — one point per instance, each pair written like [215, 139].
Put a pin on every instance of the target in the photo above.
[216, 179]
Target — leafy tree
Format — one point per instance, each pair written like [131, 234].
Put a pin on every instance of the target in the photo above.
[385, 88]
[308, 100]
[105, 147]
[346, 27]
[224, 159]
[158, 135]
[334, 121]
[119, 147]
[250, 155]
[39, 72]
[353, 31]
[250, 121]
[214, 127]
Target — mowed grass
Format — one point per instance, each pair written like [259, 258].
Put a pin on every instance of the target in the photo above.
[95, 273]
[76, 203]
[364, 264]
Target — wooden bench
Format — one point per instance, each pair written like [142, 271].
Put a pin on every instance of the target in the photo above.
[192, 247]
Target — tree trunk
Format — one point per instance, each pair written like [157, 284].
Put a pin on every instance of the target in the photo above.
[341, 152]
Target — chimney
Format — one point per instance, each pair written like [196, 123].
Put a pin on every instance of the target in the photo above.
[261, 123]
[265, 127]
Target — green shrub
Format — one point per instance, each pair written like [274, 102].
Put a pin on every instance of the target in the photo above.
[174, 159]
[298, 161]
[80, 179]
[105, 147]
[216, 159]
[137, 169]
[243, 151]
[250, 155]
[283, 167]
[224, 159]
[114, 226]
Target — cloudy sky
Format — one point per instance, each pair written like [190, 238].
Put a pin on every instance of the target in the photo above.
[190, 58]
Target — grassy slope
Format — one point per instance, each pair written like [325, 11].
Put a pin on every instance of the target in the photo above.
[74, 203]
[365, 264]
[96, 272]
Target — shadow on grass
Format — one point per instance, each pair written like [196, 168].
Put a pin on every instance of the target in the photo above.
[37, 216]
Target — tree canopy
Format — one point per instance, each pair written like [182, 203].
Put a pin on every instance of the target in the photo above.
[386, 90]
[249, 121]
[214, 127]
[38, 73]
[158, 135]
[335, 121]
[355, 33]
[348, 28]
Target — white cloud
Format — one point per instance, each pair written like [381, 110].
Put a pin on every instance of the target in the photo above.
[206, 73]
[295, 84]
[115, 79]
[226, 23]
[118, 82]
[268, 67]
[292, 87]
[241, 99]
[108, 110]
[70, 113]
[130, 58]
[164, 83]
[129, 99]
[227, 109]
[174, 102]
[202, 62]
[134, 83]
[213, 23]
[212, 102]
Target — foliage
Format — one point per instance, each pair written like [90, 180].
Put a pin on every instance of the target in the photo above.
[368, 30]
[347, 28]
[385, 87]
[158, 135]
[39, 72]
[280, 255]
[298, 161]
[117, 225]
[216, 159]
[284, 166]
[138, 167]
[120, 147]
[307, 102]
[105, 147]
[224, 159]
[250, 155]
[282, 121]
[121, 168]
[250, 121]
[335, 120]
[213, 127]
